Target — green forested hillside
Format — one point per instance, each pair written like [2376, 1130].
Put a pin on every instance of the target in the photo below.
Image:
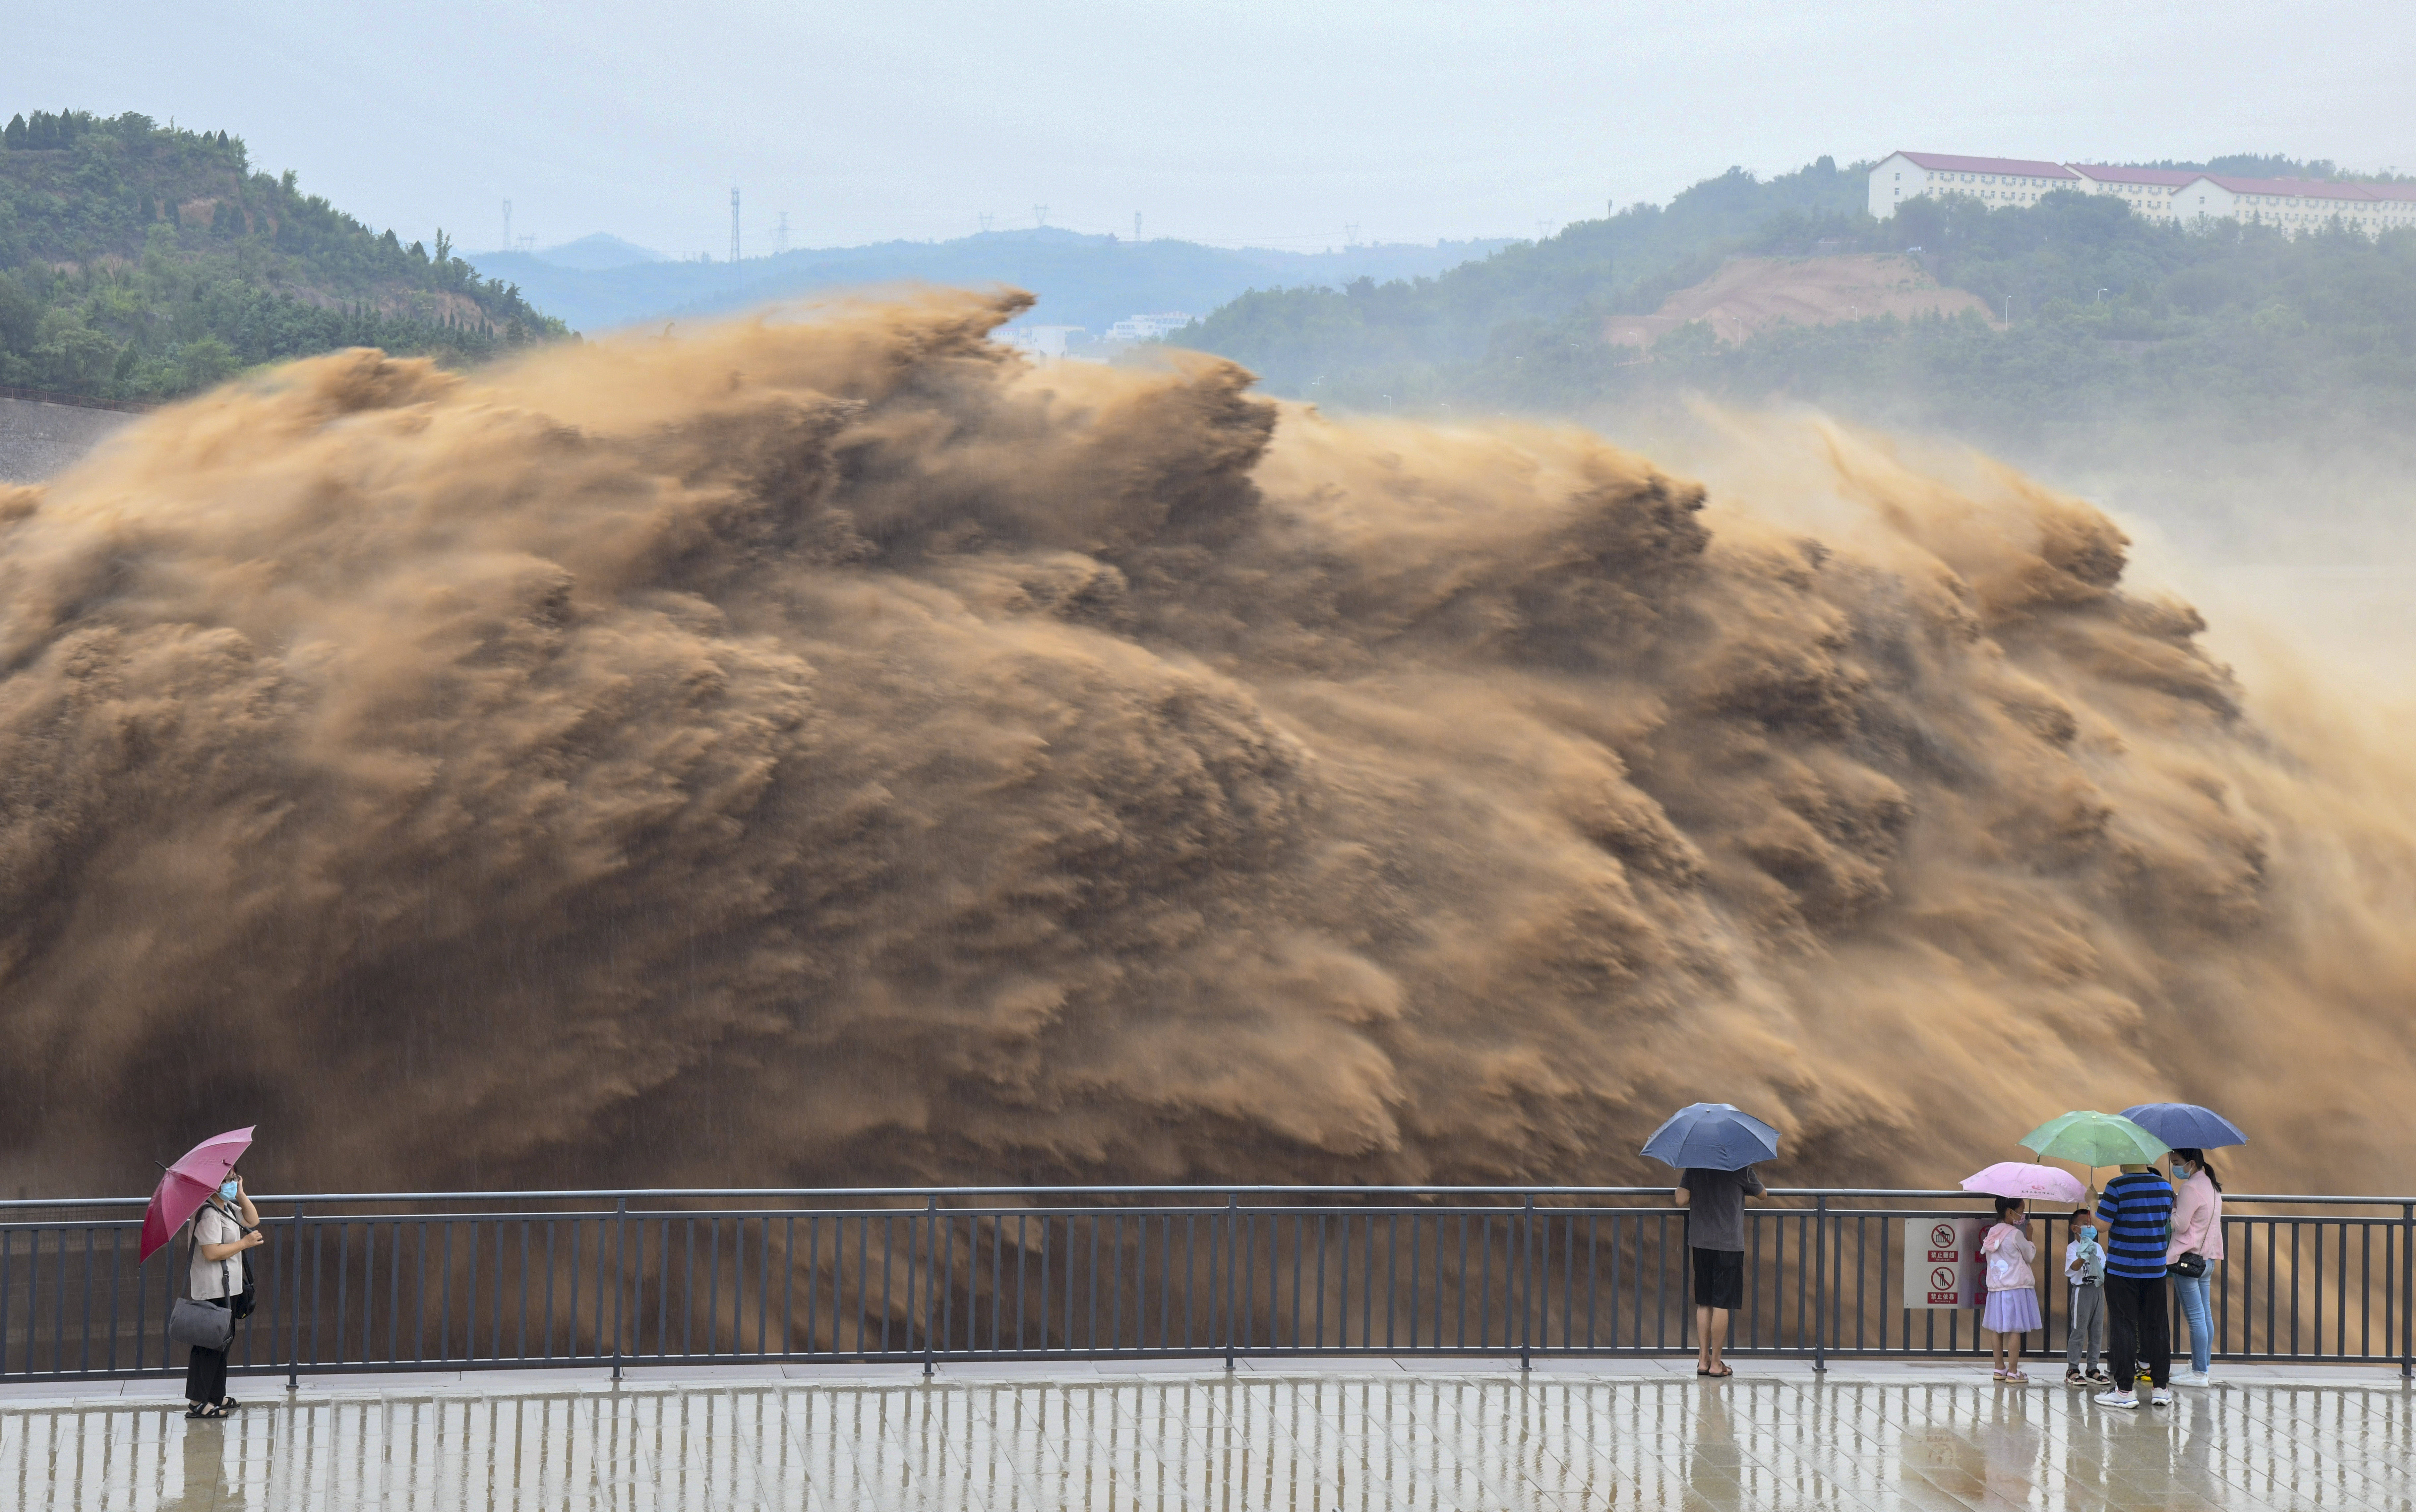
[142, 261]
[2104, 313]
[2112, 314]
[1628, 261]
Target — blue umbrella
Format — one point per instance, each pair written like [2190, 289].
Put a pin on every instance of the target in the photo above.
[2186, 1126]
[1713, 1136]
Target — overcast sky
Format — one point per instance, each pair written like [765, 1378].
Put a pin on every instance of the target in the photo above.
[1275, 123]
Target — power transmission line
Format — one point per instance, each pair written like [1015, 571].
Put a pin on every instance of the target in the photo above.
[734, 225]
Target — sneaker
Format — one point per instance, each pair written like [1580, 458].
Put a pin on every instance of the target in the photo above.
[2162, 1397]
[2116, 1398]
[2193, 1378]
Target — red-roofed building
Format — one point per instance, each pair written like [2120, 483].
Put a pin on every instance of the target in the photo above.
[2173, 196]
[1993, 181]
[2296, 205]
[2149, 191]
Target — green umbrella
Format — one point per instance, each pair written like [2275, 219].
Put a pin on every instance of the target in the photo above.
[2094, 1138]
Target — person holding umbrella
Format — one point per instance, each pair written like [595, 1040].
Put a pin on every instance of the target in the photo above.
[226, 1225]
[204, 1188]
[1715, 1147]
[2135, 1207]
[2197, 1242]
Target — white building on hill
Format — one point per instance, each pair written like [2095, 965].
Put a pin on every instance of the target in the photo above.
[1909, 176]
[2174, 196]
[2149, 191]
[2296, 204]
[1147, 328]
[1042, 344]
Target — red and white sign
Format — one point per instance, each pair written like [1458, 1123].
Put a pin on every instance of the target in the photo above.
[1942, 1264]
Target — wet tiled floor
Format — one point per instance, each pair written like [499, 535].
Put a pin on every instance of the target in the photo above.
[1256, 1442]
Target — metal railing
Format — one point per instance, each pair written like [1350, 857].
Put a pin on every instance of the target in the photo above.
[470, 1281]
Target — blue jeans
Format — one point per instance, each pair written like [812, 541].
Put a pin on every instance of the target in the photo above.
[2190, 1289]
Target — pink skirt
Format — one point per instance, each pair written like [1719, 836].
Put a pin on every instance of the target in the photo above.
[2012, 1312]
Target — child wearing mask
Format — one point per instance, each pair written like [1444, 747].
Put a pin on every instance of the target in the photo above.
[2084, 1266]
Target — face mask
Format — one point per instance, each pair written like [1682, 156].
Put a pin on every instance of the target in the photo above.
[228, 1192]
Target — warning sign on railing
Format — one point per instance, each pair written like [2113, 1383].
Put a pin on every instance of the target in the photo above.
[1942, 1264]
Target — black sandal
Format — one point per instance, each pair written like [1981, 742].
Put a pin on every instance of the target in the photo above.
[1721, 1375]
[210, 1411]
[229, 1404]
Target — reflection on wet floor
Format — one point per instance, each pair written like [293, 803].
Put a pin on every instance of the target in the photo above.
[1252, 1444]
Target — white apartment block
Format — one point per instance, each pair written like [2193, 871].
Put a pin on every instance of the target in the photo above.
[2173, 196]
[1994, 181]
[2296, 204]
[1147, 328]
[1042, 344]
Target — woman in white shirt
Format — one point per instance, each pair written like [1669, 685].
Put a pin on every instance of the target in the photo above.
[226, 1226]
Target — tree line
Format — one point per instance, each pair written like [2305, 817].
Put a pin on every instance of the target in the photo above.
[138, 260]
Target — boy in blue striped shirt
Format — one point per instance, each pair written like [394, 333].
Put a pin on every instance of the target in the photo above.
[2137, 1207]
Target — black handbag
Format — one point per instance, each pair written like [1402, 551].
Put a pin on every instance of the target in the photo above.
[2191, 1264]
[241, 1303]
[197, 1324]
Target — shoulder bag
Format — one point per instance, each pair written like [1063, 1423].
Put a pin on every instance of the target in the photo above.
[196, 1323]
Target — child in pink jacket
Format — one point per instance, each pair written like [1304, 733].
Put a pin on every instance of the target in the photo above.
[2013, 1308]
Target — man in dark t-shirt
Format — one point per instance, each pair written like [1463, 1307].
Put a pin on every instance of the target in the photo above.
[1715, 1204]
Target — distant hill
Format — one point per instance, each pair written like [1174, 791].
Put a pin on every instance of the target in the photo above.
[1300, 338]
[2004, 326]
[140, 261]
[1086, 281]
[592, 253]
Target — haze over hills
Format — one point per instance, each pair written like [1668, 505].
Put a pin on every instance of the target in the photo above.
[599, 283]
[591, 252]
[2005, 322]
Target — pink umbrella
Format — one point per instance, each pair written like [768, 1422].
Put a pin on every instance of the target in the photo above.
[2029, 1182]
[189, 1183]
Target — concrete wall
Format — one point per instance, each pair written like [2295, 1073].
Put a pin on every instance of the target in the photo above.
[37, 440]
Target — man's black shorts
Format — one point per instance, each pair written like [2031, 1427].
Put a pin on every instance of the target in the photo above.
[1719, 1279]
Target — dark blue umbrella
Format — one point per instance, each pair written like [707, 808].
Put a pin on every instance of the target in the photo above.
[2186, 1126]
[1713, 1136]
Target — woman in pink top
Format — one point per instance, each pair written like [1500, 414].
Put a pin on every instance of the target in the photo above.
[2012, 1308]
[2197, 1229]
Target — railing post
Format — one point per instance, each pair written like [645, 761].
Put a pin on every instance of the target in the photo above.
[294, 1279]
[1820, 1282]
[620, 1273]
[2406, 1291]
[932, 1249]
[1525, 1288]
[1233, 1259]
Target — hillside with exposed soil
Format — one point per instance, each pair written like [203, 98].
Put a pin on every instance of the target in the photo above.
[1754, 294]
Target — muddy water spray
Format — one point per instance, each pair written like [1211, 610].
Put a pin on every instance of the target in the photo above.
[837, 751]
